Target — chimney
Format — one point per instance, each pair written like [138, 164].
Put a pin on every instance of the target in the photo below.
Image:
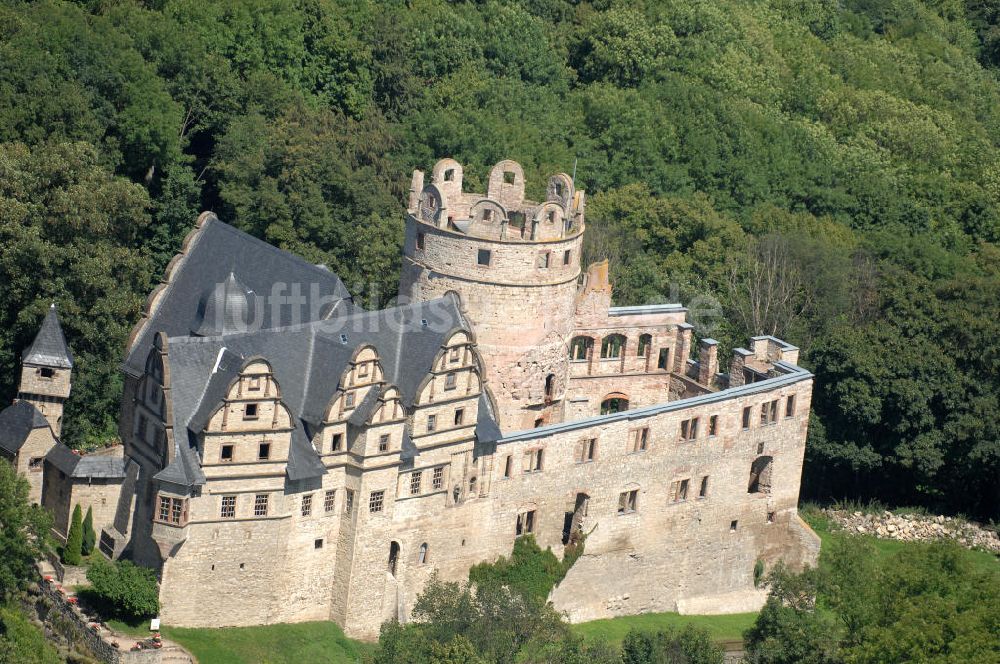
[684, 331]
[740, 356]
[708, 361]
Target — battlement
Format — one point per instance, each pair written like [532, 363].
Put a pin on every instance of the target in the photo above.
[502, 213]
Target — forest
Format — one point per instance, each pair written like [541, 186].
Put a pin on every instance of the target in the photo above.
[827, 171]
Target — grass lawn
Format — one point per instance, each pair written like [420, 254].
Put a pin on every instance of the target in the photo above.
[138, 630]
[270, 644]
[721, 628]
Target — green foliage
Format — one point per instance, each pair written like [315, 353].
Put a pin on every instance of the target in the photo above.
[851, 149]
[24, 534]
[21, 642]
[924, 603]
[529, 570]
[74, 539]
[127, 591]
[89, 536]
[689, 645]
[758, 572]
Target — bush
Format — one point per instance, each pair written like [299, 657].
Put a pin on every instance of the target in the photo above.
[128, 591]
[529, 570]
[74, 540]
[691, 645]
[89, 536]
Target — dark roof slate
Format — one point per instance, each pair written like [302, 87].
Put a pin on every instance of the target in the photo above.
[218, 251]
[49, 349]
[90, 465]
[16, 422]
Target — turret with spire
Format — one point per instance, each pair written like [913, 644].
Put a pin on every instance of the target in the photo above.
[46, 368]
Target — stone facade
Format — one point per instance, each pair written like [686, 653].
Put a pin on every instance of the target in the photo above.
[324, 466]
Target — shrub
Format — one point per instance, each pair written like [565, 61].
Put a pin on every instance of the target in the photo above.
[691, 645]
[74, 540]
[529, 570]
[758, 573]
[129, 591]
[89, 536]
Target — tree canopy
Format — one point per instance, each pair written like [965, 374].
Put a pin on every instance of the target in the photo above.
[852, 149]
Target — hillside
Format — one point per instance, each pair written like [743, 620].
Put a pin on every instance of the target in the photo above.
[848, 152]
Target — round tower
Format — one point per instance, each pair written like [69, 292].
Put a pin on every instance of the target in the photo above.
[515, 263]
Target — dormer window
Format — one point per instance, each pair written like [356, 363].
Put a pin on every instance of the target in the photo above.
[450, 381]
[250, 411]
[487, 214]
[349, 400]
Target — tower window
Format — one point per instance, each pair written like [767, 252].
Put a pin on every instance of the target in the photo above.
[47, 372]
[508, 177]
[459, 416]
[420, 241]
[449, 175]
[487, 214]
[566, 256]
[431, 423]
[483, 257]
[307, 504]
[336, 442]
[383, 443]
[376, 500]
[543, 259]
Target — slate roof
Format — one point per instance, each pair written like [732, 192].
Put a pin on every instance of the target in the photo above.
[49, 348]
[16, 422]
[218, 251]
[90, 465]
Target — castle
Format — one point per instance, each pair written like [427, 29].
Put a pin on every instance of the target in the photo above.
[288, 456]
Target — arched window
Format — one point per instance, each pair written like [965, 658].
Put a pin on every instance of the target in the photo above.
[472, 487]
[393, 557]
[422, 554]
[760, 475]
[580, 348]
[614, 403]
[645, 341]
[550, 387]
[612, 347]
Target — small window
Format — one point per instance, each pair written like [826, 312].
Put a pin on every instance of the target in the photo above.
[586, 450]
[567, 256]
[790, 406]
[703, 489]
[383, 443]
[543, 259]
[307, 504]
[318, 544]
[733, 525]
[254, 384]
[437, 478]
[349, 501]
[35, 463]
[250, 411]
[420, 241]
[450, 381]
[415, 481]
[349, 401]
[663, 361]
[449, 175]
[454, 355]
[551, 216]
[508, 463]
[422, 554]
[525, 523]
[689, 429]
[459, 416]
[336, 442]
[645, 341]
[227, 453]
[678, 491]
[363, 369]
[612, 346]
[627, 501]
[533, 460]
[260, 504]
[472, 487]
[746, 418]
[509, 177]
[228, 507]
[431, 423]
[713, 425]
[770, 517]
[376, 501]
[47, 372]
[640, 440]
[330, 500]
[264, 451]
[483, 257]
[487, 214]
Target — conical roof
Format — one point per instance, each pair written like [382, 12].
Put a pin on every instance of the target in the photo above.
[49, 348]
[225, 309]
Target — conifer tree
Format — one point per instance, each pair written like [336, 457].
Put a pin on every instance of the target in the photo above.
[89, 536]
[74, 540]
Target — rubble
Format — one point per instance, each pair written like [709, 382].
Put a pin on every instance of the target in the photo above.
[917, 528]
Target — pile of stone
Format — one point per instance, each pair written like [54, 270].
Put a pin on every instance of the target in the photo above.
[917, 528]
